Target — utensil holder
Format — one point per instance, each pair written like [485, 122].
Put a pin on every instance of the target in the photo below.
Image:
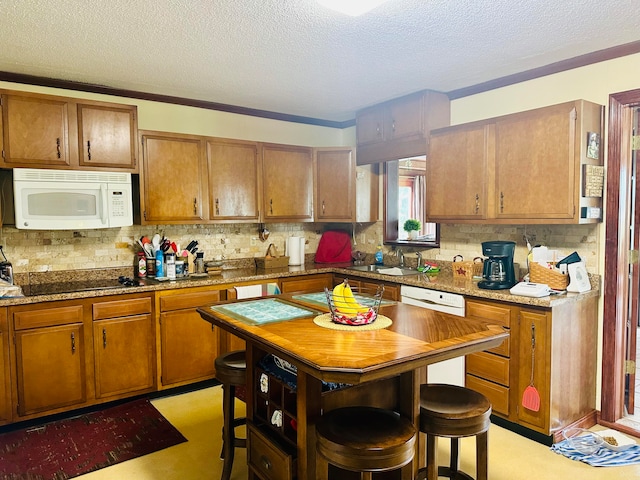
[467, 268]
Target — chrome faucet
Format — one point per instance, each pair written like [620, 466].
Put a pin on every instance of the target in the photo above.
[419, 263]
[400, 255]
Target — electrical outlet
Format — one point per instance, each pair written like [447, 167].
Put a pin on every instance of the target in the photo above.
[254, 241]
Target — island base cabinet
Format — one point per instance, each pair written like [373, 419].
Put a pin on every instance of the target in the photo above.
[267, 460]
[50, 368]
[124, 355]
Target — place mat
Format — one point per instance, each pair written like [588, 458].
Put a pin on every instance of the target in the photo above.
[325, 321]
[263, 311]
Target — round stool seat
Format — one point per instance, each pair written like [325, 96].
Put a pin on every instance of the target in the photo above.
[231, 368]
[453, 411]
[365, 439]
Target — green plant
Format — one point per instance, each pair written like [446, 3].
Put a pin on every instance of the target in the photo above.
[411, 224]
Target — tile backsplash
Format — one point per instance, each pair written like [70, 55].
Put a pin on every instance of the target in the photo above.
[41, 251]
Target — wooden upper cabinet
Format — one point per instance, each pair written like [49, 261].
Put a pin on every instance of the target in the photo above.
[536, 165]
[399, 128]
[107, 135]
[35, 131]
[456, 174]
[233, 180]
[46, 131]
[287, 183]
[174, 177]
[335, 184]
[528, 167]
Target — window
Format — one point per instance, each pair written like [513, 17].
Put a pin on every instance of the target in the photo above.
[404, 197]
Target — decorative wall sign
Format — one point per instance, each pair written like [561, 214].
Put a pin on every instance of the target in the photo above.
[593, 180]
[593, 145]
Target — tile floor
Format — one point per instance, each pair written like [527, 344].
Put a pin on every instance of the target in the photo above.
[197, 415]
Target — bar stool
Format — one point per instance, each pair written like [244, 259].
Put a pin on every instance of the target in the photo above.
[364, 440]
[454, 412]
[231, 371]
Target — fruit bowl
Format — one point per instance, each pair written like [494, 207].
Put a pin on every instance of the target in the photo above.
[354, 306]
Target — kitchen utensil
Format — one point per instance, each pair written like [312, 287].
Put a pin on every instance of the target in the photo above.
[148, 250]
[531, 396]
[155, 241]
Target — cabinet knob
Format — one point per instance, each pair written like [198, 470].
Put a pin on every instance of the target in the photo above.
[265, 463]
[501, 202]
[271, 206]
[195, 206]
[104, 338]
[88, 150]
[477, 203]
[73, 342]
[217, 206]
[58, 147]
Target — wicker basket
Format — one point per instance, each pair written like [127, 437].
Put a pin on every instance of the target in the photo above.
[541, 274]
[467, 269]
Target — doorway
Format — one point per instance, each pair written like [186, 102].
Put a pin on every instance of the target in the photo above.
[621, 289]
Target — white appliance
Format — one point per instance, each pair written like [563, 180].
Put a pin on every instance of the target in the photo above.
[448, 371]
[71, 199]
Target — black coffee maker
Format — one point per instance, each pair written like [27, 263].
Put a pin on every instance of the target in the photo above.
[498, 270]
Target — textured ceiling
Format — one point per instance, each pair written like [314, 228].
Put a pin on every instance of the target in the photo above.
[296, 57]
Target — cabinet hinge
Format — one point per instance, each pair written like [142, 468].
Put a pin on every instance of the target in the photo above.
[633, 257]
[2, 153]
[635, 142]
[629, 367]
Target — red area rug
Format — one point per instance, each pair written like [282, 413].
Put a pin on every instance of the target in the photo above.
[74, 446]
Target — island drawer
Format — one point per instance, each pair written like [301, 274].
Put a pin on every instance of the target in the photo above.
[489, 366]
[266, 458]
[498, 395]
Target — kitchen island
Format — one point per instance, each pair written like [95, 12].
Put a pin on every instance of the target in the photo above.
[382, 368]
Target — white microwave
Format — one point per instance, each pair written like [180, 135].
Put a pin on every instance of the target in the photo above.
[71, 199]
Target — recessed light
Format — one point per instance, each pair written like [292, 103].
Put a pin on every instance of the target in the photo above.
[351, 7]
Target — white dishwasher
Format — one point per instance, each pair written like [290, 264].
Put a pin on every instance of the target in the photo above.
[447, 371]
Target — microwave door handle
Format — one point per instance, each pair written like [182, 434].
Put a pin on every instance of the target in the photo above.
[103, 192]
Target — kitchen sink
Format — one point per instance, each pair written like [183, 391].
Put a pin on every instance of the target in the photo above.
[380, 269]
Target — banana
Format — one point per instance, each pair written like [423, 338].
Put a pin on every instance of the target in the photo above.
[351, 300]
[344, 301]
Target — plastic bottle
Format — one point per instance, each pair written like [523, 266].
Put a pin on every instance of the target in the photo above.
[159, 263]
[379, 257]
[171, 266]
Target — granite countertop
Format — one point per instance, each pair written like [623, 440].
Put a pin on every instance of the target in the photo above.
[246, 272]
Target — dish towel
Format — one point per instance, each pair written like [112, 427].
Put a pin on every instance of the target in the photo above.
[602, 458]
[253, 291]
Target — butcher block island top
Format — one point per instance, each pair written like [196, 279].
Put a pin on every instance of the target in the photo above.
[382, 367]
[416, 337]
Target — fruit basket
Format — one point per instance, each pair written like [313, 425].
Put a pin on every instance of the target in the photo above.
[354, 306]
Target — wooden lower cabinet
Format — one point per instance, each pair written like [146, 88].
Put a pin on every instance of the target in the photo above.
[188, 344]
[5, 375]
[268, 459]
[556, 347]
[124, 346]
[391, 290]
[306, 284]
[50, 351]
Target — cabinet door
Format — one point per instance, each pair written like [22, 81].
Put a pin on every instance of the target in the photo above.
[175, 180]
[123, 355]
[370, 126]
[535, 164]
[456, 174]
[35, 131]
[306, 284]
[108, 136]
[189, 347]
[233, 180]
[405, 117]
[50, 365]
[288, 182]
[533, 354]
[5, 379]
[335, 184]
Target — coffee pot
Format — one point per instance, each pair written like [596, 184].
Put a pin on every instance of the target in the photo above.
[498, 270]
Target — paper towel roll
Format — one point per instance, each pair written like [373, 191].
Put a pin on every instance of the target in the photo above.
[293, 250]
[302, 244]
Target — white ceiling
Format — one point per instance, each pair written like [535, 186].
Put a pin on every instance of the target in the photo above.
[296, 57]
